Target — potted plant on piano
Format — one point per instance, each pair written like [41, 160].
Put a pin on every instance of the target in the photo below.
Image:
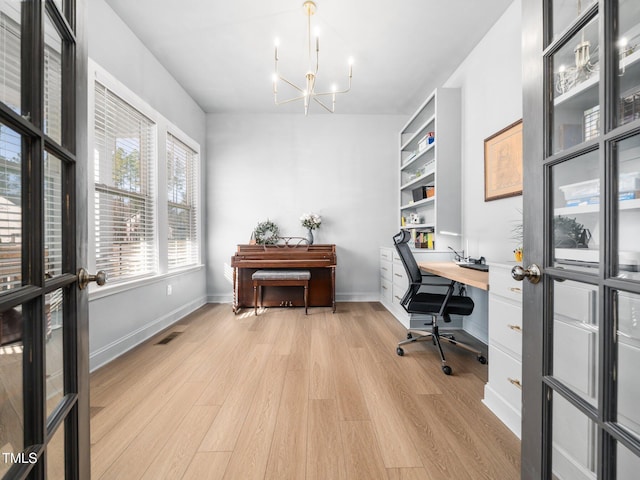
[310, 221]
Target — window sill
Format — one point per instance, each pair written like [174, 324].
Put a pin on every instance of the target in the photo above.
[96, 292]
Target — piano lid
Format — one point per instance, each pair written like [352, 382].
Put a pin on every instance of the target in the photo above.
[271, 256]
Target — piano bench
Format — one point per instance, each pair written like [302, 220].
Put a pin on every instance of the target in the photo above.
[280, 278]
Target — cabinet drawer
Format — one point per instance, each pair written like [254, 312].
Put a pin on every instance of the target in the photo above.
[575, 357]
[385, 269]
[505, 325]
[400, 277]
[386, 291]
[398, 293]
[505, 376]
[386, 254]
[575, 301]
[501, 283]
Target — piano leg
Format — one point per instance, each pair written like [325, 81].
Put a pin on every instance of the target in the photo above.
[235, 291]
[333, 288]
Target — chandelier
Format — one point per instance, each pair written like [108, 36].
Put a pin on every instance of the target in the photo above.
[309, 92]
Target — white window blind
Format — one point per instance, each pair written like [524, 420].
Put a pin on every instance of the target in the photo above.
[182, 181]
[10, 53]
[53, 173]
[52, 81]
[124, 159]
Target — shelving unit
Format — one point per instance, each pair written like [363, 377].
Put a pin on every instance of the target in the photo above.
[435, 164]
[572, 107]
[595, 208]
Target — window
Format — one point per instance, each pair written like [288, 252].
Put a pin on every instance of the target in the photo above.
[182, 165]
[124, 199]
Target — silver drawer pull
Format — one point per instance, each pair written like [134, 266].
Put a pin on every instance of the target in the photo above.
[398, 297]
[516, 289]
[383, 268]
[384, 287]
[515, 382]
[517, 328]
[398, 275]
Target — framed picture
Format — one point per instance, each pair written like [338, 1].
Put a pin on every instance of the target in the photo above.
[503, 163]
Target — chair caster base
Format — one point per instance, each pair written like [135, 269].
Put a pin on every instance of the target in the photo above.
[400, 351]
[482, 359]
[447, 369]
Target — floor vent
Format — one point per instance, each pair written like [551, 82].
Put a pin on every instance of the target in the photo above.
[168, 338]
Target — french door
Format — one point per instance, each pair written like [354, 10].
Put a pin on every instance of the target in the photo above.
[581, 352]
[44, 418]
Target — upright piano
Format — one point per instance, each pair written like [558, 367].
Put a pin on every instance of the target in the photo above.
[320, 260]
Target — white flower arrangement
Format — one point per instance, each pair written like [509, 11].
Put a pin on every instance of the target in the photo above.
[310, 220]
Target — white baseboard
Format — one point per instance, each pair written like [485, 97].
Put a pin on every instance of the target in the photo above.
[217, 298]
[112, 351]
[502, 409]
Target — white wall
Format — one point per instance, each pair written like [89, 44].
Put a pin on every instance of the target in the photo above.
[119, 321]
[343, 167]
[490, 79]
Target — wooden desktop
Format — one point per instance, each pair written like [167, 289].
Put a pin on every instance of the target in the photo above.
[453, 271]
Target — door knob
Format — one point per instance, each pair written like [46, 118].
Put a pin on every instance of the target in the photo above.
[84, 278]
[532, 273]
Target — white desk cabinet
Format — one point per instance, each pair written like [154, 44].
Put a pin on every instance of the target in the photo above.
[503, 391]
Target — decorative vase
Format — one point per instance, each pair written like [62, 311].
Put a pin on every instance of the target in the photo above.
[310, 236]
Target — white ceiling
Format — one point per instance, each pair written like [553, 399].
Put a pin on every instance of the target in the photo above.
[222, 52]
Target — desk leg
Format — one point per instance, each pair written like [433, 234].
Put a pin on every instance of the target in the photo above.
[333, 288]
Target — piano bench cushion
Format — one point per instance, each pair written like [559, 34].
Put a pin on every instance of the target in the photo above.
[277, 274]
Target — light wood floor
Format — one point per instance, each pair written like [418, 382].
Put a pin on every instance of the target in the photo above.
[289, 396]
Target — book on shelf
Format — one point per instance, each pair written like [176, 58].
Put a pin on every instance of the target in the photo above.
[423, 238]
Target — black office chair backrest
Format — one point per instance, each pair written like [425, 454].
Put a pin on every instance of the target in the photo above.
[401, 242]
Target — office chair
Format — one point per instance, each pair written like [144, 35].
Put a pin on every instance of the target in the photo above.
[438, 305]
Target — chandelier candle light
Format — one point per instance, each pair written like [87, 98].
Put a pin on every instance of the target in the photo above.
[309, 92]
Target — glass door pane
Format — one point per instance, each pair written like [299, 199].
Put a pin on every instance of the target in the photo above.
[10, 61]
[628, 335]
[575, 337]
[565, 12]
[628, 204]
[54, 330]
[10, 209]
[11, 367]
[575, 77]
[574, 442]
[55, 455]
[628, 46]
[576, 208]
[52, 81]
[628, 464]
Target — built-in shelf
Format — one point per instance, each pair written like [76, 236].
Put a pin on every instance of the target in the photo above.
[427, 176]
[595, 208]
[592, 81]
[420, 131]
[438, 166]
[417, 225]
[419, 203]
[418, 156]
